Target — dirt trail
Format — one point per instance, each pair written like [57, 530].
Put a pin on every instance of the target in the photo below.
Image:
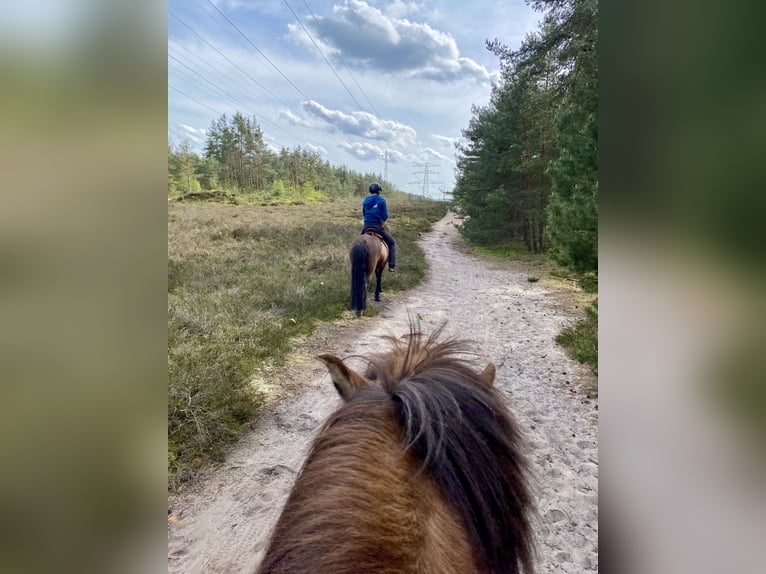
[223, 523]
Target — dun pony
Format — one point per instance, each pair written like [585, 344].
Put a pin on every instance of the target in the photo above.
[367, 253]
[419, 471]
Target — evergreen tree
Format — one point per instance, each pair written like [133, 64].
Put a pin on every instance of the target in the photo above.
[183, 165]
[528, 168]
[502, 180]
[573, 211]
[209, 172]
[236, 156]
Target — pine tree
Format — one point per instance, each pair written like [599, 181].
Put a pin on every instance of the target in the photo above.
[529, 166]
[186, 167]
[573, 211]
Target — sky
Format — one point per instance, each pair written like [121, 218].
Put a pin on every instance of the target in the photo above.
[358, 81]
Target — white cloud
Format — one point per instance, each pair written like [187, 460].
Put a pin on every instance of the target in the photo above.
[364, 35]
[270, 143]
[296, 33]
[294, 118]
[195, 136]
[430, 152]
[395, 156]
[399, 9]
[316, 148]
[193, 131]
[364, 151]
[444, 140]
[370, 152]
[260, 6]
[362, 124]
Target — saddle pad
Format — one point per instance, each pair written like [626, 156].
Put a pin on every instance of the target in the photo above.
[372, 232]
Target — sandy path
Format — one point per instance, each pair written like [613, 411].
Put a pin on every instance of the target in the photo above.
[223, 523]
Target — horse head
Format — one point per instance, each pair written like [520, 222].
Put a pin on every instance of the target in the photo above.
[421, 469]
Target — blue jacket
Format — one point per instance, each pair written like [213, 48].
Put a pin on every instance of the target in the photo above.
[374, 209]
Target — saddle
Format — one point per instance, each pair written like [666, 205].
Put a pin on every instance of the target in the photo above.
[374, 232]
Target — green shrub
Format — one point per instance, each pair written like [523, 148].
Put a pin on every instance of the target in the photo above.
[581, 339]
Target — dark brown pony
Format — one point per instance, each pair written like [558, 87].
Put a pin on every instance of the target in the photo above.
[368, 253]
[419, 471]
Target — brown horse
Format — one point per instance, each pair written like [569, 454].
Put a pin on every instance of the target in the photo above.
[367, 253]
[419, 471]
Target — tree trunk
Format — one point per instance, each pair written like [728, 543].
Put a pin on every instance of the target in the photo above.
[527, 238]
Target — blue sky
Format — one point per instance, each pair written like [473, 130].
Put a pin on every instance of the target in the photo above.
[403, 78]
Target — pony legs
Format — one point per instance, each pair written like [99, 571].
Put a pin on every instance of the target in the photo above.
[378, 286]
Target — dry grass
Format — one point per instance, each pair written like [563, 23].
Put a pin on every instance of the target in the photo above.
[242, 281]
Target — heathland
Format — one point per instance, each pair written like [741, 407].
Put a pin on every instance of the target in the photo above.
[243, 280]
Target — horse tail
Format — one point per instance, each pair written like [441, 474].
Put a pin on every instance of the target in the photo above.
[359, 277]
[470, 444]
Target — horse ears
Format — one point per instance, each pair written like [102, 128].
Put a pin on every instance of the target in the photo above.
[487, 376]
[347, 381]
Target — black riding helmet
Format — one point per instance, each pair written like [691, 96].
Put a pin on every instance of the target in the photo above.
[375, 187]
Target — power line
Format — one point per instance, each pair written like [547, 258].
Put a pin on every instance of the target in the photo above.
[350, 73]
[255, 114]
[262, 119]
[334, 71]
[277, 69]
[264, 88]
[224, 56]
[195, 99]
[224, 92]
[273, 65]
[265, 57]
[219, 77]
[217, 87]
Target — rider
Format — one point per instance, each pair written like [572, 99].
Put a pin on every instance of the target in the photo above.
[375, 215]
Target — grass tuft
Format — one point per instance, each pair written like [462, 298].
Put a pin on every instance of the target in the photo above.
[589, 282]
[581, 339]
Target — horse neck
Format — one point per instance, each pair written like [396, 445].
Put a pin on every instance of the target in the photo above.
[356, 507]
[333, 520]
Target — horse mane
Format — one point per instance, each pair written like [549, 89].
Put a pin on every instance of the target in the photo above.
[427, 407]
[467, 439]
